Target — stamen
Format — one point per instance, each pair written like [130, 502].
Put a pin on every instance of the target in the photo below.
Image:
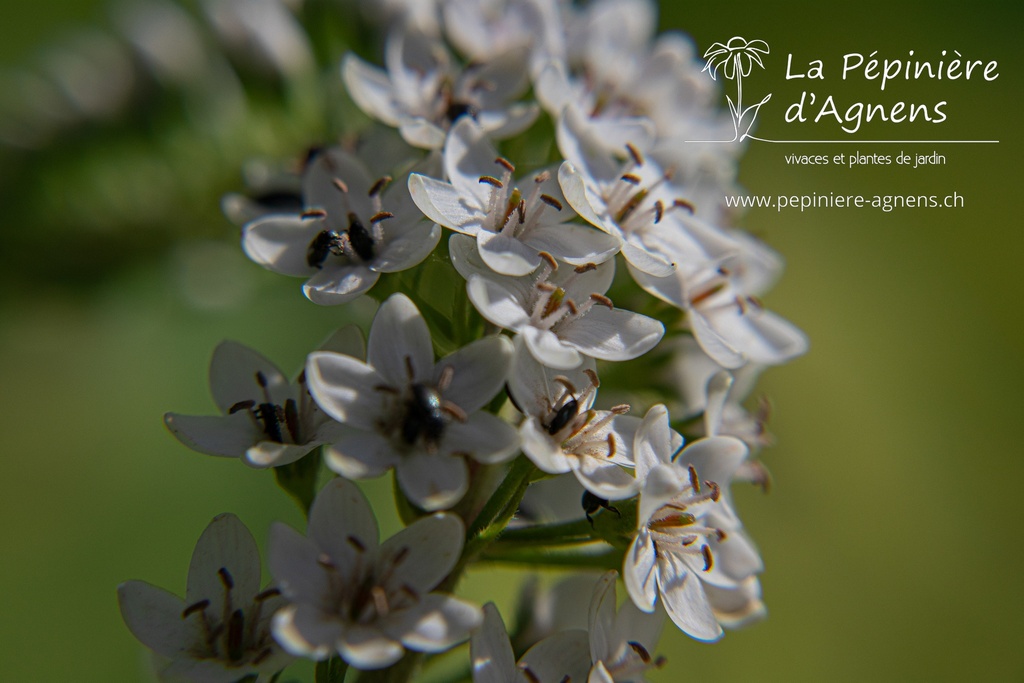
[491, 180]
[551, 201]
[380, 600]
[400, 556]
[340, 184]
[716, 491]
[694, 480]
[631, 178]
[549, 259]
[409, 591]
[379, 186]
[193, 608]
[382, 216]
[620, 409]
[603, 300]
[236, 631]
[585, 268]
[542, 177]
[659, 211]
[324, 560]
[592, 376]
[635, 153]
[708, 560]
[267, 594]
[225, 578]
[684, 204]
[502, 161]
[612, 450]
[313, 213]
[641, 651]
[564, 381]
[356, 543]
[455, 411]
[530, 676]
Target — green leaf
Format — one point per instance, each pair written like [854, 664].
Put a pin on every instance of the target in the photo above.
[331, 670]
[298, 479]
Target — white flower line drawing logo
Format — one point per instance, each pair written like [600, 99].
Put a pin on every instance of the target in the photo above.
[736, 58]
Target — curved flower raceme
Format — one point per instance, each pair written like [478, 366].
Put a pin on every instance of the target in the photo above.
[266, 421]
[220, 632]
[688, 535]
[367, 601]
[353, 229]
[561, 312]
[512, 226]
[421, 418]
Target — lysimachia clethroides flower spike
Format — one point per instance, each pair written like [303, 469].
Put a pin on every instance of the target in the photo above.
[408, 412]
[364, 600]
[220, 632]
[354, 228]
[512, 223]
[266, 421]
[560, 311]
[688, 535]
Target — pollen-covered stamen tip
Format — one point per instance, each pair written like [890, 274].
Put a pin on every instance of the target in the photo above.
[694, 479]
[502, 161]
[634, 154]
[225, 578]
[709, 561]
[313, 213]
[492, 181]
[381, 216]
[379, 186]
[340, 185]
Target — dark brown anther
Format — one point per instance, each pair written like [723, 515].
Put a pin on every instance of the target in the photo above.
[313, 213]
[603, 300]
[236, 636]
[380, 600]
[585, 268]
[592, 376]
[742, 305]
[684, 204]
[542, 177]
[530, 676]
[382, 216]
[400, 556]
[267, 594]
[659, 211]
[195, 607]
[409, 591]
[720, 535]
[635, 154]
[549, 259]
[755, 301]
[641, 651]
[340, 184]
[241, 405]
[708, 559]
[521, 211]
[502, 161]
[631, 178]
[612, 449]
[261, 379]
[356, 543]
[546, 287]
[571, 305]
[716, 491]
[225, 578]
[694, 479]
[491, 180]
[551, 201]
[379, 186]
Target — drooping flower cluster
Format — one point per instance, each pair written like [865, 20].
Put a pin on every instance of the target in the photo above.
[495, 363]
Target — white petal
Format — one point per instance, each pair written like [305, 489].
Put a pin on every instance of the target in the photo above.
[573, 185]
[338, 284]
[319, 189]
[437, 623]
[602, 617]
[468, 154]
[549, 350]
[495, 303]
[366, 647]
[225, 544]
[572, 243]
[640, 572]
[661, 485]
[720, 349]
[154, 617]
[233, 371]
[684, 600]
[605, 479]
[509, 121]
[362, 455]
[371, 89]
[506, 255]
[399, 339]
[433, 481]
[421, 133]
[443, 204]
[478, 371]
[737, 607]
[227, 436]
[281, 243]
[293, 560]
[647, 260]
[408, 249]
[564, 654]
[484, 437]
[421, 555]
[347, 340]
[715, 458]
[273, 454]
[490, 650]
[600, 674]
[345, 388]
[613, 334]
[542, 449]
[342, 524]
[305, 631]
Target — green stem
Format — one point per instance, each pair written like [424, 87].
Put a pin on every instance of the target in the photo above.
[298, 479]
[401, 671]
[331, 670]
[564, 533]
[499, 509]
[608, 559]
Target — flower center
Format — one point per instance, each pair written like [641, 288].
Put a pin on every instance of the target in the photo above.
[551, 305]
[357, 242]
[280, 425]
[509, 210]
[676, 527]
[635, 205]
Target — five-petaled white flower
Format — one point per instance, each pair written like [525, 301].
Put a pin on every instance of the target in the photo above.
[620, 642]
[423, 92]
[688, 534]
[562, 432]
[351, 231]
[364, 600]
[267, 421]
[220, 632]
[409, 413]
[561, 312]
[511, 225]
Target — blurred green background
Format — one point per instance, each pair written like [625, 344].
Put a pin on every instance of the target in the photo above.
[892, 536]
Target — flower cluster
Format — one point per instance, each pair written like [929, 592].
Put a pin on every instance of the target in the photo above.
[483, 379]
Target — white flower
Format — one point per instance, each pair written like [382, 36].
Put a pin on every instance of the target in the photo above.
[620, 643]
[266, 420]
[364, 600]
[688, 534]
[482, 28]
[632, 200]
[409, 413]
[423, 92]
[220, 632]
[511, 225]
[562, 433]
[561, 313]
[351, 232]
[561, 657]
